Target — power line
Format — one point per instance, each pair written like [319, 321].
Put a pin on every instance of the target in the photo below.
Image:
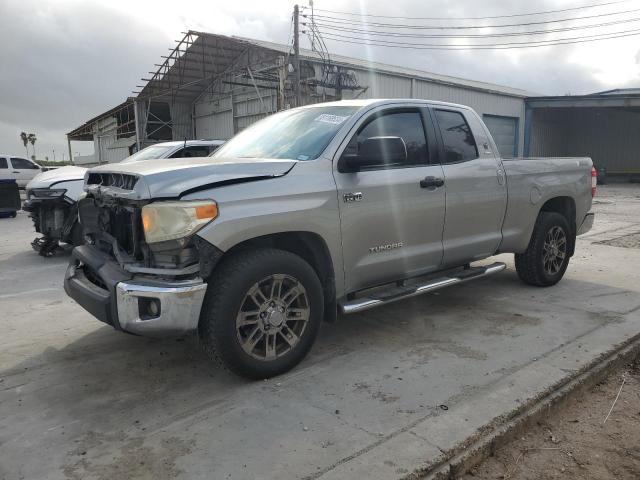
[339, 21]
[482, 35]
[497, 46]
[583, 7]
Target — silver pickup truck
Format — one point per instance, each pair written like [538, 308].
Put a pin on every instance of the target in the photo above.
[326, 209]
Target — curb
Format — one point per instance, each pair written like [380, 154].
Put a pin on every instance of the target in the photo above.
[469, 455]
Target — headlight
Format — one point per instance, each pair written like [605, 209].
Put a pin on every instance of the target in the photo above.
[164, 221]
[48, 192]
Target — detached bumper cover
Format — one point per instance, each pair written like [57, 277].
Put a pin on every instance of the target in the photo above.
[115, 297]
[587, 223]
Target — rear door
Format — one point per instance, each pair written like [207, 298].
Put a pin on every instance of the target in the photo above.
[23, 170]
[476, 191]
[391, 225]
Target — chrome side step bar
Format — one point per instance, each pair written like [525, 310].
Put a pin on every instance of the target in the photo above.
[365, 303]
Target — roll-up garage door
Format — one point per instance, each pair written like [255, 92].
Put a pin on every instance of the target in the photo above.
[504, 131]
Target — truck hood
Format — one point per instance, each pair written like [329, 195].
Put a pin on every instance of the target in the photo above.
[172, 178]
[62, 174]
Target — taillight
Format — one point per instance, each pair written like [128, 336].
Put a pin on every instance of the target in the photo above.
[594, 181]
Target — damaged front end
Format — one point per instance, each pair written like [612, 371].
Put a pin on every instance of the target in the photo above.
[55, 216]
[152, 289]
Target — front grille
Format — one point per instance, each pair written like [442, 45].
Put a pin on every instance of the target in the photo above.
[121, 222]
[124, 226]
[122, 181]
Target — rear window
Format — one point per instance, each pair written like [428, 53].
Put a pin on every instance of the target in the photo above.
[459, 144]
[194, 151]
[3, 163]
[150, 153]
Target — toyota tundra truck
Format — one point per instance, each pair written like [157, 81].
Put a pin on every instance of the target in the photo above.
[327, 209]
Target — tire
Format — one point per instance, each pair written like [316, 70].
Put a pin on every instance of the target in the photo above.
[229, 297]
[531, 266]
[13, 214]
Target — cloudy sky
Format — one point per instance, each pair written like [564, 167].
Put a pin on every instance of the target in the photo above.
[65, 61]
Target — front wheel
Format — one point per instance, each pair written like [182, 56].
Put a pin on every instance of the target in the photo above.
[261, 313]
[546, 259]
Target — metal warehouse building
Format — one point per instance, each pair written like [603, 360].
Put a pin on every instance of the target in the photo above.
[212, 86]
[604, 126]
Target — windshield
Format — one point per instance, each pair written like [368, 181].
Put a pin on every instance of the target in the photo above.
[153, 151]
[293, 134]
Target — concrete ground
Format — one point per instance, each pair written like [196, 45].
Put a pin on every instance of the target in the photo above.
[382, 394]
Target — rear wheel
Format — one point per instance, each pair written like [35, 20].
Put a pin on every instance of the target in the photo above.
[262, 312]
[547, 256]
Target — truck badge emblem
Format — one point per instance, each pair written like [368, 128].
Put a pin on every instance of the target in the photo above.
[388, 246]
[352, 197]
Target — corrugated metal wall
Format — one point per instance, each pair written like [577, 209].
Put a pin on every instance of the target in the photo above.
[181, 124]
[549, 132]
[104, 141]
[219, 117]
[222, 115]
[383, 85]
[608, 135]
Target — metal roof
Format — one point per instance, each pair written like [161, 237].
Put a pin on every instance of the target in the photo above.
[619, 91]
[86, 130]
[393, 69]
[199, 59]
[621, 98]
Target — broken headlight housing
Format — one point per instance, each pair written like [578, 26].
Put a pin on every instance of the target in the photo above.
[163, 221]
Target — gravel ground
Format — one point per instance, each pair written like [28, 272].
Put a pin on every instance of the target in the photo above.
[576, 442]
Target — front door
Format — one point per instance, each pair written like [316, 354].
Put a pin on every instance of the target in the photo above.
[475, 185]
[391, 215]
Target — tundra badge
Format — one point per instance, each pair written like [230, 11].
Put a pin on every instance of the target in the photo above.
[352, 197]
[388, 246]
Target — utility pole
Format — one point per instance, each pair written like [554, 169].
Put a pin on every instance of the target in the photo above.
[69, 145]
[296, 54]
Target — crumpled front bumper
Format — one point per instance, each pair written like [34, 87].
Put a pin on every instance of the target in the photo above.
[117, 298]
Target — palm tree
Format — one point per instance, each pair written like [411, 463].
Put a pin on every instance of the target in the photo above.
[25, 139]
[32, 140]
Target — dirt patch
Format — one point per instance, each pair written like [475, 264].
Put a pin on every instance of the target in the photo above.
[626, 241]
[134, 460]
[576, 442]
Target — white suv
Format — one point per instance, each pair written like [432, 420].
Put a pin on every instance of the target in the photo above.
[18, 168]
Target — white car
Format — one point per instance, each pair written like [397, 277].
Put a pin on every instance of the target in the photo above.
[52, 196]
[18, 168]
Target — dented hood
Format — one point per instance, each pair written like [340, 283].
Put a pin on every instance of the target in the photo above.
[62, 174]
[173, 178]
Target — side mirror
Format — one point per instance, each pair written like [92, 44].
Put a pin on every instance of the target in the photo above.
[378, 152]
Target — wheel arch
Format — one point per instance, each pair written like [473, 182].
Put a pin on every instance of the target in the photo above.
[312, 248]
[565, 206]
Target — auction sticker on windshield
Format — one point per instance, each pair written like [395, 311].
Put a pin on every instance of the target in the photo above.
[328, 118]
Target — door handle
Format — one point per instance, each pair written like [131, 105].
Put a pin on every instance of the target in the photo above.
[431, 182]
[16, 171]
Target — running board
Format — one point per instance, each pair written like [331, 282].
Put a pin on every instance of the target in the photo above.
[400, 293]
